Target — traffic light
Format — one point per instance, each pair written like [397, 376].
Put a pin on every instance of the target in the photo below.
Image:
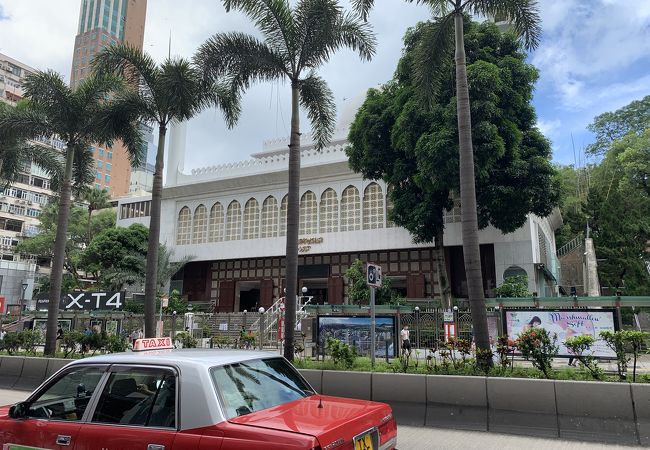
[373, 277]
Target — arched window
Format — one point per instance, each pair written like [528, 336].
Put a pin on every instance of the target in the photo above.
[329, 212]
[373, 207]
[350, 209]
[284, 206]
[514, 271]
[233, 221]
[251, 219]
[215, 224]
[200, 225]
[269, 218]
[308, 213]
[389, 207]
[184, 226]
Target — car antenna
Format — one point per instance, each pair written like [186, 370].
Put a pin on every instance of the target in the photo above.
[320, 401]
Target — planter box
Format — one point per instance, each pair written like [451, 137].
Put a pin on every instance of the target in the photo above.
[641, 398]
[347, 384]
[404, 393]
[456, 402]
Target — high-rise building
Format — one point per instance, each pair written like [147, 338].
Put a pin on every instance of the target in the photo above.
[101, 23]
[21, 203]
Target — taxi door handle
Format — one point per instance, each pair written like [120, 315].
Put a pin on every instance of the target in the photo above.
[63, 440]
[155, 447]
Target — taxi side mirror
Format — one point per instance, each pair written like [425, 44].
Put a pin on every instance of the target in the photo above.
[19, 410]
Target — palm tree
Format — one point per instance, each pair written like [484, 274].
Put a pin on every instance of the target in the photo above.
[17, 153]
[524, 17]
[296, 42]
[96, 199]
[88, 114]
[171, 91]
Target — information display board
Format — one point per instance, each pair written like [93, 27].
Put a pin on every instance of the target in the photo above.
[86, 301]
[564, 324]
[355, 332]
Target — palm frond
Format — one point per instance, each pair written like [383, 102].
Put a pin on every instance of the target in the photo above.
[323, 28]
[46, 158]
[522, 14]
[48, 92]
[24, 122]
[178, 90]
[137, 67]
[431, 51]
[226, 98]
[317, 98]
[362, 7]
[274, 19]
[242, 58]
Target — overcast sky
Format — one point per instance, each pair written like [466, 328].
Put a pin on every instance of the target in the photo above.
[594, 57]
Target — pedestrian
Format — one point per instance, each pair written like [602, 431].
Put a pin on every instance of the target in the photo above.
[2, 334]
[405, 338]
[59, 338]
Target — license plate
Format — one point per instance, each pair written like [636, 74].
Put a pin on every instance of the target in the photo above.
[363, 442]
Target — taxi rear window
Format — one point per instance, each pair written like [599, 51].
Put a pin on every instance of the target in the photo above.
[255, 385]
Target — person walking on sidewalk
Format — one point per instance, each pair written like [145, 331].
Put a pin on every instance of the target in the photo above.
[404, 336]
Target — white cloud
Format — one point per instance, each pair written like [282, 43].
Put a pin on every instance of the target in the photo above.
[548, 127]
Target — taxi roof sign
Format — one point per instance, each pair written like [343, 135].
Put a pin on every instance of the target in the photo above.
[164, 343]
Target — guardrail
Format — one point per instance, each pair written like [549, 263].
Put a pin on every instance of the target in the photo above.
[580, 410]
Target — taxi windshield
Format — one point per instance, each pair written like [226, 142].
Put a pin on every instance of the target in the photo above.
[255, 385]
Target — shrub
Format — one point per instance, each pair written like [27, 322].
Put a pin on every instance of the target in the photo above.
[513, 287]
[116, 343]
[29, 340]
[615, 341]
[538, 347]
[186, 340]
[94, 342]
[580, 346]
[11, 343]
[635, 340]
[342, 354]
[70, 341]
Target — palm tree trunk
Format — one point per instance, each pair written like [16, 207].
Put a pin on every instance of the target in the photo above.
[293, 218]
[56, 277]
[469, 220]
[151, 277]
[441, 268]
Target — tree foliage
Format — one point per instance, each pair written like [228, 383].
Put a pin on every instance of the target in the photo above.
[359, 292]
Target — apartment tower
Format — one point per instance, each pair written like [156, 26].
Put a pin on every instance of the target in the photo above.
[101, 23]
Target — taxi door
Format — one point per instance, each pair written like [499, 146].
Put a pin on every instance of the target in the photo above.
[135, 411]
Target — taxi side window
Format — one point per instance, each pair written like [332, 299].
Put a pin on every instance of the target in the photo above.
[67, 398]
[142, 397]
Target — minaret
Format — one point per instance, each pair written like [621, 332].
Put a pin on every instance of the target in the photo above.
[176, 151]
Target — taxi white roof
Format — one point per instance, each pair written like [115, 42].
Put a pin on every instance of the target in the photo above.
[193, 357]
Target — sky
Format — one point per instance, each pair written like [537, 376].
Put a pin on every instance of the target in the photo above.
[593, 57]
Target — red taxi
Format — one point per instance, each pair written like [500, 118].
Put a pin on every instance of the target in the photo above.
[191, 399]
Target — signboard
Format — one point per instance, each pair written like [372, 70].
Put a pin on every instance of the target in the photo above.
[373, 275]
[355, 332]
[86, 301]
[565, 324]
[161, 343]
[448, 316]
[2, 304]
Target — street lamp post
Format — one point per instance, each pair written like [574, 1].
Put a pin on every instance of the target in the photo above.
[417, 326]
[262, 329]
[22, 300]
[173, 325]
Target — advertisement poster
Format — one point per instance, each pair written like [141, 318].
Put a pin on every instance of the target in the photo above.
[41, 325]
[355, 332]
[565, 324]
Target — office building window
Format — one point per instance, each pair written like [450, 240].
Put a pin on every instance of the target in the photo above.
[97, 186]
[107, 178]
[110, 155]
[109, 167]
[251, 219]
[100, 164]
[101, 152]
[98, 176]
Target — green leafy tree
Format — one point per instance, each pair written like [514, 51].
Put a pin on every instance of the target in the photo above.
[513, 287]
[412, 145]
[295, 43]
[90, 113]
[615, 340]
[539, 347]
[359, 292]
[614, 125]
[171, 91]
[574, 189]
[448, 32]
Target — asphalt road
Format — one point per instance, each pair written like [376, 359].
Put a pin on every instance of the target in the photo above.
[416, 438]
